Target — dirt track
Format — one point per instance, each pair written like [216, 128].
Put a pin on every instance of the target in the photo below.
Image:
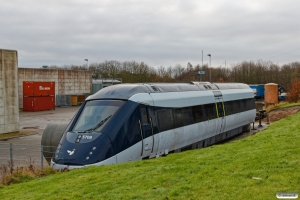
[281, 113]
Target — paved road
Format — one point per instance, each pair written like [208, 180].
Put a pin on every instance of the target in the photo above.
[28, 148]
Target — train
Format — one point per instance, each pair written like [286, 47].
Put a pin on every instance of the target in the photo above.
[128, 122]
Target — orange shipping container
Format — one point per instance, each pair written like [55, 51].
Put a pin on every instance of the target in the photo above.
[35, 89]
[38, 103]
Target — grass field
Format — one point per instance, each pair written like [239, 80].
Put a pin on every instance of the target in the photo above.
[256, 167]
[282, 105]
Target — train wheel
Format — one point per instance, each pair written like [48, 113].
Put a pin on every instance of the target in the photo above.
[50, 139]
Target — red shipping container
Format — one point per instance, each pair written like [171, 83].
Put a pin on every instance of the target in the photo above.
[38, 103]
[35, 89]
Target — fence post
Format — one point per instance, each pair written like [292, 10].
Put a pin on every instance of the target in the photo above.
[11, 157]
[42, 159]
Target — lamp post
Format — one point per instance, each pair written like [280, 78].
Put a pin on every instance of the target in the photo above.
[209, 67]
[87, 62]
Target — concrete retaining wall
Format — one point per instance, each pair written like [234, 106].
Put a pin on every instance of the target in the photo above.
[9, 107]
[69, 82]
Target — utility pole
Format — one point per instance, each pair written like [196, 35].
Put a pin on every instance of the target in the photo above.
[202, 58]
[209, 67]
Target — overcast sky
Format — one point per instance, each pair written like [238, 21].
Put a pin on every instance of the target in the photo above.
[157, 32]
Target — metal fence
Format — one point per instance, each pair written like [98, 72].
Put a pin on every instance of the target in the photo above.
[19, 155]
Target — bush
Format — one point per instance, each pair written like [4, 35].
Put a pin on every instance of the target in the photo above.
[294, 95]
[9, 175]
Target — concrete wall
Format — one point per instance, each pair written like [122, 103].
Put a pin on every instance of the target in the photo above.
[69, 82]
[9, 108]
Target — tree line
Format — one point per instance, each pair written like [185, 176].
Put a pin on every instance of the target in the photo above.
[249, 72]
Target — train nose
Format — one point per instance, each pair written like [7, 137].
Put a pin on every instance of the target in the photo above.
[82, 151]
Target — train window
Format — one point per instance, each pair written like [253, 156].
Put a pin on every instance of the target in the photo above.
[146, 127]
[95, 114]
[250, 104]
[244, 105]
[144, 115]
[197, 113]
[178, 117]
[165, 119]
[186, 116]
[229, 107]
[236, 106]
[211, 111]
[129, 134]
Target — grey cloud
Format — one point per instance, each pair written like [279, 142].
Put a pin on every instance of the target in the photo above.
[156, 32]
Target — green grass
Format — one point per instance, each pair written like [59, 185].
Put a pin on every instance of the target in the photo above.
[282, 105]
[223, 171]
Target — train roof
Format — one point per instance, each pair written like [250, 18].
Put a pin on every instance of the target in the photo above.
[125, 91]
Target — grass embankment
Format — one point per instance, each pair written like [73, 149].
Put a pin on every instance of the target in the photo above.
[226, 171]
[282, 105]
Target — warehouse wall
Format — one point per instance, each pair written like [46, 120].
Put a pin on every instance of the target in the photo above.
[68, 82]
[9, 108]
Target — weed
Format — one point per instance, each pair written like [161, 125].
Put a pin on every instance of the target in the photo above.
[10, 175]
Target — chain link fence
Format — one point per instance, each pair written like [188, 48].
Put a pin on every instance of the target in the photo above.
[19, 155]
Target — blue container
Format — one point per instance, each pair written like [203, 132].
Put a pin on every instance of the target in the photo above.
[254, 88]
[260, 91]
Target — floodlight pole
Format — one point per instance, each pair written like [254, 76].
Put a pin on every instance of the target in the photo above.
[87, 63]
[209, 67]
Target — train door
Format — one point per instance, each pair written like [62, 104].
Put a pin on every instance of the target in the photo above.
[146, 129]
[220, 112]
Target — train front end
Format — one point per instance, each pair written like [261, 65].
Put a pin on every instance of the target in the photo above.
[86, 142]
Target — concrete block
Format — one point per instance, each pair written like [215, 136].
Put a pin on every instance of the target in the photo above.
[21, 71]
[9, 83]
[2, 102]
[11, 110]
[21, 75]
[11, 75]
[11, 119]
[11, 101]
[2, 111]
[29, 74]
[11, 128]
[2, 129]
[53, 73]
[2, 121]
[11, 92]
[20, 84]
[76, 74]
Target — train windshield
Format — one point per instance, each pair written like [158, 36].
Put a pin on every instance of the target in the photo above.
[95, 114]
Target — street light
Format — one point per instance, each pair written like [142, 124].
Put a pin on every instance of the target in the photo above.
[209, 67]
[87, 63]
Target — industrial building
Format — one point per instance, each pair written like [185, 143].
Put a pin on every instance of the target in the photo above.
[67, 82]
[74, 84]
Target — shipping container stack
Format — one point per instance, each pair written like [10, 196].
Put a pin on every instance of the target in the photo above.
[38, 96]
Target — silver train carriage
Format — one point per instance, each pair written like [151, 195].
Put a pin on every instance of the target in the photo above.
[129, 122]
